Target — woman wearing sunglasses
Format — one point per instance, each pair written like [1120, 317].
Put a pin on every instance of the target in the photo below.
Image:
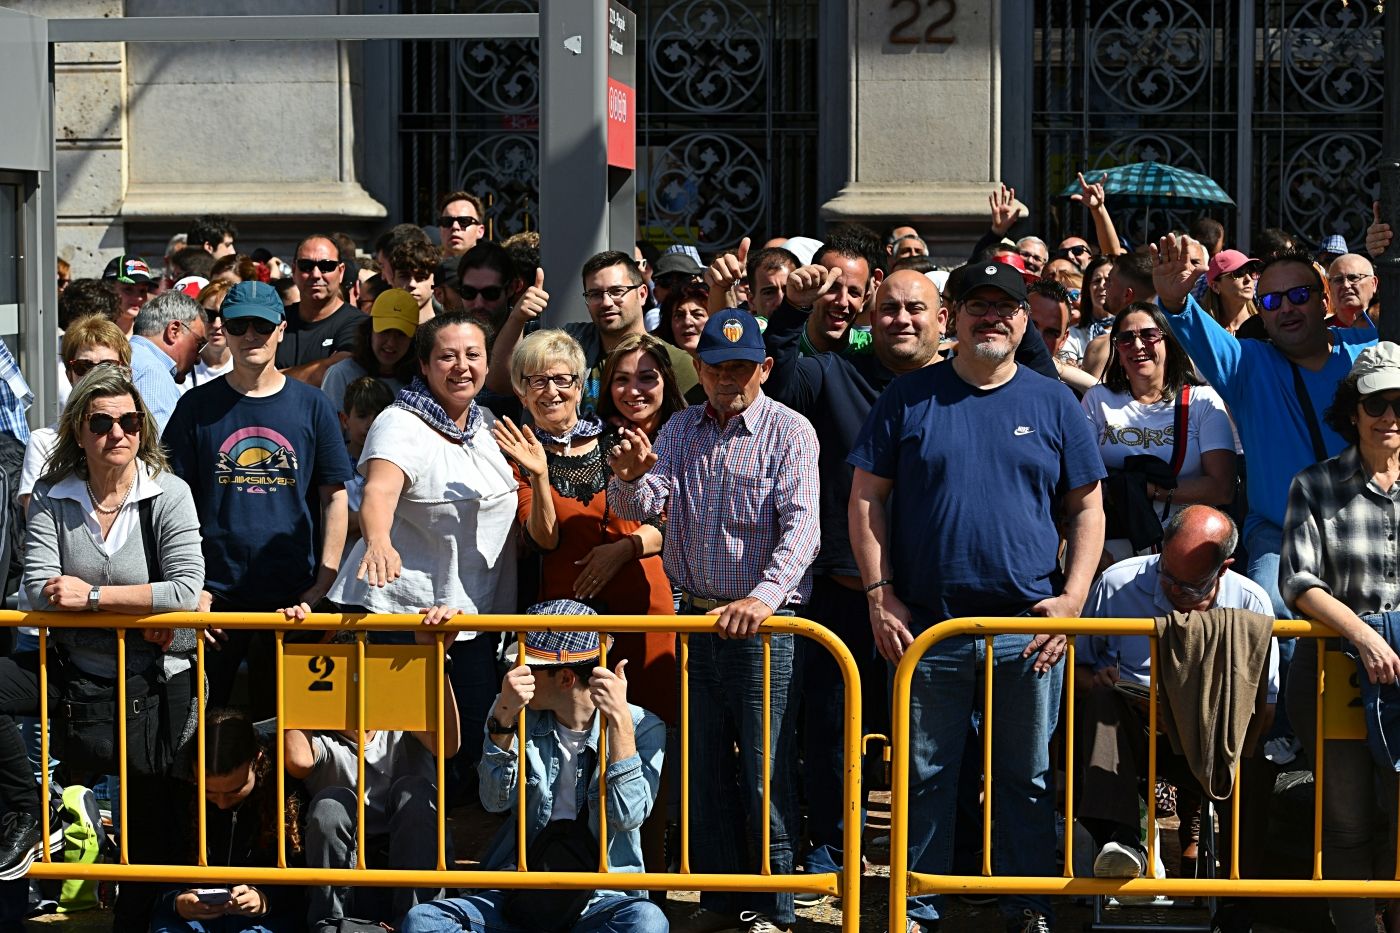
[1135, 410]
[106, 513]
[1337, 567]
[1231, 280]
[88, 342]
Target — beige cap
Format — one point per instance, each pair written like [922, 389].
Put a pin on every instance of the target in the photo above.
[395, 309]
[1377, 369]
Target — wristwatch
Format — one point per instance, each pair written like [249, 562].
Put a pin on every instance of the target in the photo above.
[495, 727]
[94, 598]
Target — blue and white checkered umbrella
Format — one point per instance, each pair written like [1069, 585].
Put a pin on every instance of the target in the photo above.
[1154, 184]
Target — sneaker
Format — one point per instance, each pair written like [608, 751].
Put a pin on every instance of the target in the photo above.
[1030, 922]
[19, 834]
[751, 921]
[1116, 860]
[810, 898]
[692, 918]
[1282, 750]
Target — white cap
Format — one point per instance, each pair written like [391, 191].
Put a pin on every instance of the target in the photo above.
[804, 248]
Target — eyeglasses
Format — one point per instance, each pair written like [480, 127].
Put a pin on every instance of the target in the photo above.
[1349, 278]
[1243, 272]
[465, 221]
[101, 422]
[1150, 337]
[1070, 251]
[1375, 405]
[540, 381]
[327, 266]
[1027, 254]
[1297, 295]
[82, 367]
[1002, 309]
[1193, 590]
[201, 342]
[239, 326]
[616, 292]
[490, 292]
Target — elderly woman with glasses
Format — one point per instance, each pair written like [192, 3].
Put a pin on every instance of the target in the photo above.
[110, 529]
[1337, 567]
[1149, 388]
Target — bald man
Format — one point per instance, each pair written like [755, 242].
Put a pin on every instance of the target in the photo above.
[836, 391]
[1191, 573]
[1351, 286]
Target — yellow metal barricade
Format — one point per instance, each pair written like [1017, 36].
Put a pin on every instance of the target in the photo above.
[1339, 717]
[361, 686]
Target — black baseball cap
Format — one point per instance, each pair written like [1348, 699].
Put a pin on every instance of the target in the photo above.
[996, 275]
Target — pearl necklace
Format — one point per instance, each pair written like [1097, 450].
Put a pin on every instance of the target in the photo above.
[112, 511]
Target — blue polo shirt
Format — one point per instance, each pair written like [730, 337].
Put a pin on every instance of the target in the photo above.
[978, 477]
[1255, 380]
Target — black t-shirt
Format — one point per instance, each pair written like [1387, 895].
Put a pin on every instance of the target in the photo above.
[306, 343]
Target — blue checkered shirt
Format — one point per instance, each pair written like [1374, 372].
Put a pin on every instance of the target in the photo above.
[740, 502]
[15, 396]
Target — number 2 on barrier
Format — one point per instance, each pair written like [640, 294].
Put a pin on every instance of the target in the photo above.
[319, 687]
[322, 665]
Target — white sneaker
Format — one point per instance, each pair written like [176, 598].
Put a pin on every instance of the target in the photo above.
[1282, 750]
[751, 921]
[1116, 860]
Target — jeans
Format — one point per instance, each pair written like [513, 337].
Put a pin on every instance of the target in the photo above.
[481, 913]
[846, 613]
[1264, 542]
[1358, 802]
[946, 688]
[726, 709]
[330, 843]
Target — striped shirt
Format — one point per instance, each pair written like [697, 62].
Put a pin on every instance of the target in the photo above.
[1340, 535]
[15, 396]
[740, 502]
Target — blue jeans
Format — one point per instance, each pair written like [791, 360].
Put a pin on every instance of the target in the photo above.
[166, 920]
[481, 913]
[1264, 542]
[946, 688]
[726, 817]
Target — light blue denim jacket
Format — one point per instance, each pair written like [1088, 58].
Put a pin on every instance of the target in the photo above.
[632, 785]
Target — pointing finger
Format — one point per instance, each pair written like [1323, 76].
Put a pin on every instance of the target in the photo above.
[743, 254]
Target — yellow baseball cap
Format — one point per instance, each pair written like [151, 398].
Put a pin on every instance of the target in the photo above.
[395, 309]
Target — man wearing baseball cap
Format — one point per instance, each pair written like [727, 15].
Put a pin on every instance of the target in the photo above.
[132, 279]
[984, 457]
[566, 695]
[737, 481]
[385, 352]
[264, 457]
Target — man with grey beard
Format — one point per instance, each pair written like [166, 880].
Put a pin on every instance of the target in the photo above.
[983, 456]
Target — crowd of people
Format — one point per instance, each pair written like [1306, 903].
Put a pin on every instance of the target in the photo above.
[832, 428]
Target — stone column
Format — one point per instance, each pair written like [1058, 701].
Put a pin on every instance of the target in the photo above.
[924, 119]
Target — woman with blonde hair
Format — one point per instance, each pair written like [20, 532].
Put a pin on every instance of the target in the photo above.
[111, 529]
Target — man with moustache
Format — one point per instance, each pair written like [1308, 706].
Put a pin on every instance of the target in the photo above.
[836, 392]
[984, 457]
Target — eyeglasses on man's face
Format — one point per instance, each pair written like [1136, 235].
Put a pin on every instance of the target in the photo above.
[616, 293]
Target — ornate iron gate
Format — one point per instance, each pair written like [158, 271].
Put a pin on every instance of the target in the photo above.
[1277, 100]
[726, 133]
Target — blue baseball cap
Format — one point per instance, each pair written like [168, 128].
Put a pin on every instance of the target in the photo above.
[731, 334]
[252, 299]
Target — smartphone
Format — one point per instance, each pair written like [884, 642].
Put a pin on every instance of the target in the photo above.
[213, 896]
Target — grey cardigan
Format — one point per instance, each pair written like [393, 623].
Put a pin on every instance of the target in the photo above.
[57, 542]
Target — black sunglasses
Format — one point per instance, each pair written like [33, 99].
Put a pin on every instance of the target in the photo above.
[463, 222]
[1375, 405]
[101, 423]
[239, 326]
[327, 266]
[490, 292]
[1298, 295]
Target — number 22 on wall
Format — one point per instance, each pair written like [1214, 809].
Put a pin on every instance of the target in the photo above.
[905, 32]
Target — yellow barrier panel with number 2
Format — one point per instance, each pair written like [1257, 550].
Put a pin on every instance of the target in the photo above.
[400, 687]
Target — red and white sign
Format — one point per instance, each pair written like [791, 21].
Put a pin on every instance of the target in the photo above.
[622, 87]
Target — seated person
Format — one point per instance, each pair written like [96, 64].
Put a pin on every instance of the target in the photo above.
[241, 812]
[1191, 573]
[562, 692]
[400, 795]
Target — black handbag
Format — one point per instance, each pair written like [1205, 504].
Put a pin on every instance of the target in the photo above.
[563, 845]
[1128, 512]
[84, 718]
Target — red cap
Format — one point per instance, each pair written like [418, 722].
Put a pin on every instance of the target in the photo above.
[1225, 262]
[1016, 262]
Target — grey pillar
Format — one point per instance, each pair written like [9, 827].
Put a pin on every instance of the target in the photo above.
[1388, 265]
[573, 148]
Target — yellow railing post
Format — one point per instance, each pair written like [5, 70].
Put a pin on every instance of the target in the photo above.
[280, 660]
[767, 771]
[121, 744]
[44, 738]
[200, 757]
[1070, 661]
[684, 661]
